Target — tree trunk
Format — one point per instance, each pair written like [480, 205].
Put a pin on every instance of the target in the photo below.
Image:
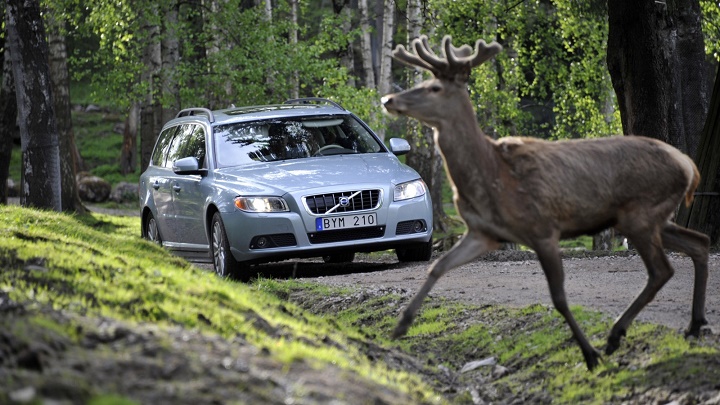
[704, 213]
[36, 117]
[128, 156]
[8, 116]
[386, 47]
[346, 53]
[657, 64]
[424, 157]
[366, 45]
[295, 81]
[151, 110]
[170, 58]
[61, 100]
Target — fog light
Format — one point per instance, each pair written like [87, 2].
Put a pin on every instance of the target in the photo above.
[262, 242]
[419, 226]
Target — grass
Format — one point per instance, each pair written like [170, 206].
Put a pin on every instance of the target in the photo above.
[66, 262]
[535, 343]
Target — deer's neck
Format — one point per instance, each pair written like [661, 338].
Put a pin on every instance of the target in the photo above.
[469, 154]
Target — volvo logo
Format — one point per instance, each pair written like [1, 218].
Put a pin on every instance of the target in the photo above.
[344, 201]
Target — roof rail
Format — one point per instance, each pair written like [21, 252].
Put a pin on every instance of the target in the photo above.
[308, 100]
[195, 111]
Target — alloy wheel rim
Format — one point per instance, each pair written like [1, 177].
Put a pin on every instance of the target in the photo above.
[218, 250]
[152, 231]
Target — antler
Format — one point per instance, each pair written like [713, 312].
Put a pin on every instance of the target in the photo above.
[454, 64]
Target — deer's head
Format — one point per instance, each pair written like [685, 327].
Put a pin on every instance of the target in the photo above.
[429, 101]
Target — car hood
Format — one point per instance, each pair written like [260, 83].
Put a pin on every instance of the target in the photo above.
[304, 174]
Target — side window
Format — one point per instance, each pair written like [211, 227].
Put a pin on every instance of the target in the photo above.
[161, 148]
[175, 151]
[195, 145]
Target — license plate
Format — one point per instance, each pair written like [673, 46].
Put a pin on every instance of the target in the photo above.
[345, 222]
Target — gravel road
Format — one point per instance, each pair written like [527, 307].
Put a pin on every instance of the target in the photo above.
[606, 284]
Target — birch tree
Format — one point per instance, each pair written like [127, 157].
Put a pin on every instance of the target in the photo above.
[366, 45]
[70, 160]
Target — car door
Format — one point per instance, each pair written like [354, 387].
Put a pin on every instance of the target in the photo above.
[159, 187]
[188, 193]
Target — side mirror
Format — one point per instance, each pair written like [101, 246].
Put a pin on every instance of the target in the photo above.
[399, 146]
[188, 165]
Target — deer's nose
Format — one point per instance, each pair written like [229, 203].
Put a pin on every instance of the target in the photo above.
[386, 100]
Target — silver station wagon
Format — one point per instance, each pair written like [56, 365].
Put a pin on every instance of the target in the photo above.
[306, 178]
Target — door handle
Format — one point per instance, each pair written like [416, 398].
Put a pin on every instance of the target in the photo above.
[177, 188]
[156, 185]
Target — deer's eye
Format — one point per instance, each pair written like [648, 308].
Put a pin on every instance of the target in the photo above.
[436, 88]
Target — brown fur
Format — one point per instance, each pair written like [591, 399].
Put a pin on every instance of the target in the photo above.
[536, 192]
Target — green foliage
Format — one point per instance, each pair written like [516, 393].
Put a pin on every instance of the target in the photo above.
[551, 79]
[711, 27]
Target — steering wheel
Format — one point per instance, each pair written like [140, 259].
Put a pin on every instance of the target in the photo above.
[328, 147]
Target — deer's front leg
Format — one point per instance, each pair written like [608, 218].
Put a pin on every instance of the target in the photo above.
[470, 247]
[549, 254]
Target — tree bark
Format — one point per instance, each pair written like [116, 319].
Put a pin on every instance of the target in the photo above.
[170, 49]
[386, 47]
[657, 64]
[346, 54]
[151, 110]
[424, 156]
[36, 116]
[366, 45]
[295, 81]
[128, 156]
[8, 116]
[704, 213]
[69, 154]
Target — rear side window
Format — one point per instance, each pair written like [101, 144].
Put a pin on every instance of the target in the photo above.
[189, 141]
[159, 155]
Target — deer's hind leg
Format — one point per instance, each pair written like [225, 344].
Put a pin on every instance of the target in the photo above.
[695, 245]
[649, 246]
[471, 246]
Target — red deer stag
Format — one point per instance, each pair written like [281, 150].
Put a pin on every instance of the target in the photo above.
[536, 192]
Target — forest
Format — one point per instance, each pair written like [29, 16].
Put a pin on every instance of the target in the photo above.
[569, 69]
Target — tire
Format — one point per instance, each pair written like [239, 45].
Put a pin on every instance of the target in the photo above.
[421, 252]
[151, 232]
[223, 261]
[340, 258]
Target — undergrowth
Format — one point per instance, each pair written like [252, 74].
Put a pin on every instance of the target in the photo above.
[534, 344]
[97, 265]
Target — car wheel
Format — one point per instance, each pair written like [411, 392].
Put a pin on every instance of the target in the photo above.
[151, 231]
[340, 258]
[418, 253]
[223, 260]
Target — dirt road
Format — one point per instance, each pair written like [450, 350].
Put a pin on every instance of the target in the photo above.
[606, 284]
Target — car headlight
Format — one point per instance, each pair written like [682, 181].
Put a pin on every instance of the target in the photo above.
[411, 189]
[261, 204]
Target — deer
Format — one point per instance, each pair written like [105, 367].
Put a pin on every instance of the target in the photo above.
[536, 192]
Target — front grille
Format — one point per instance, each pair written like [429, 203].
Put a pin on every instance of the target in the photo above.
[342, 235]
[361, 200]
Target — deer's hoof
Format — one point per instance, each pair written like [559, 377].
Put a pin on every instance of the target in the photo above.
[400, 331]
[613, 341]
[695, 327]
[592, 358]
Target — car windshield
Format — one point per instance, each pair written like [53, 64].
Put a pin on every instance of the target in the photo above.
[291, 138]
